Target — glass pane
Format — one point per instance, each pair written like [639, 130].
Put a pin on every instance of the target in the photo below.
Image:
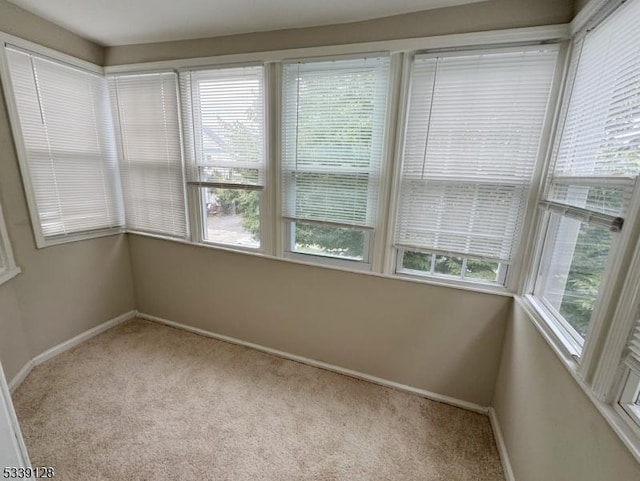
[417, 261]
[481, 270]
[448, 266]
[232, 216]
[608, 200]
[433, 264]
[341, 242]
[576, 253]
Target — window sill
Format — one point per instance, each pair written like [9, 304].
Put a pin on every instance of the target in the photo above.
[327, 261]
[44, 243]
[502, 291]
[9, 274]
[547, 325]
[454, 282]
[569, 359]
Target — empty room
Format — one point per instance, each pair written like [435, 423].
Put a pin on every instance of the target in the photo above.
[320, 240]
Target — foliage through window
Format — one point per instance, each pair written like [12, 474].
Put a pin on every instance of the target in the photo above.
[333, 122]
[450, 266]
[226, 151]
[596, 160]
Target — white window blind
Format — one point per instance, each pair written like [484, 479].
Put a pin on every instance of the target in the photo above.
[597, 153]
[633, 359]
[472, 138]
[67, 130]
[333, 120]
[225, 125]
[148, 131]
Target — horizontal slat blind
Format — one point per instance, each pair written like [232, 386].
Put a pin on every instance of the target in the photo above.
[148, 130]
[597, 156]
[333, 119]
[633, 359]
[472, 138]
[67, 131]
[225, 128]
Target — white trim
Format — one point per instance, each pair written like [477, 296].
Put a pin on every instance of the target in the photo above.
[83, 336]
[66, 345]
[622, 324]
[493, 37]
[9, 274]
[322, 365]
[501, 445]
[21, 375]
[550, 331]
[80, 236]
[525, 258]
[586, 14]
[404, 86]
[14, 427]
[394, 93]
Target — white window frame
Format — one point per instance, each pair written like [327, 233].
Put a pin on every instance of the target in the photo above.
[16, 130]
[509, 282]
[372, 256]
[196, 206]
[628, 405]
[565, 338]
[326, 259]
[383, 260]
[500, 280]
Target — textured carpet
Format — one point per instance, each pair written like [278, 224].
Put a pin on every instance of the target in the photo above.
[144, 401]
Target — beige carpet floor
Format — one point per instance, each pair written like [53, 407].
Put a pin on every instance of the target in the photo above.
[144, 401]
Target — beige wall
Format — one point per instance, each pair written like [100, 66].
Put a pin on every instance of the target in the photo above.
[487, 15]
[63, 290]
[551, 428]
[440, 339]
[14, 348]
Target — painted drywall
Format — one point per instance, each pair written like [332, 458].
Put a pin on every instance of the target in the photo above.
[551, 428]
[483, 16]
[62, 290]
[440, 339]
[14, 348]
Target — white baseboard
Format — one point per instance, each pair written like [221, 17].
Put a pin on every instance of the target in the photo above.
[21, 376]
[66, 345]
[323, 365]
[502, 447]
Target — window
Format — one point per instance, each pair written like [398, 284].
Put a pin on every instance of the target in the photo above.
[472, 138]
[595, 164]
[630, 398]
[333, 124]
[64, 135]
[146, 112]
[225, 142]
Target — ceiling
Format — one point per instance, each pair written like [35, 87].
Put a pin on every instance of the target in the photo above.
[121, 22]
